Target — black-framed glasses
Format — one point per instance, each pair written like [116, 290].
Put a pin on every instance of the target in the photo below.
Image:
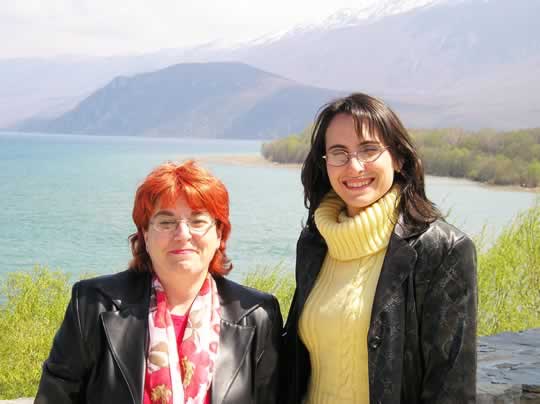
[198, 224]
[369, 154]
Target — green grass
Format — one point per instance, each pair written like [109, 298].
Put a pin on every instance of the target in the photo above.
[275, 280]
[32, 304]
[509, 277]
[33, 308]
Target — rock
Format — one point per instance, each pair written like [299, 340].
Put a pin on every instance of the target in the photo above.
[509, 368]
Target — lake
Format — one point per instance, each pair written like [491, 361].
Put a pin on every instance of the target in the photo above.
[66, 200]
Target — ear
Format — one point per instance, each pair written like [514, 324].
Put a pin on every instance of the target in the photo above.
[398, 165]
[145, 234]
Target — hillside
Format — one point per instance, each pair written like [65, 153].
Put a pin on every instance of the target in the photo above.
[199, 100]
[439, 63]
[497, 158]
[466, 63]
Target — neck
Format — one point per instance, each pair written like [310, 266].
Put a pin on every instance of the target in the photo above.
[181, 289]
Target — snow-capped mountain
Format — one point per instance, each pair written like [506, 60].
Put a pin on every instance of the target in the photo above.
[371, 11]
[468, 63]
[471, 63]
[366, 12]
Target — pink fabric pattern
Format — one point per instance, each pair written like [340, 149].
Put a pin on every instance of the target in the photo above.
[185, 380]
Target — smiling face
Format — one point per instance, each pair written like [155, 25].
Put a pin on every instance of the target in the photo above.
[180, 250]
[358, 184]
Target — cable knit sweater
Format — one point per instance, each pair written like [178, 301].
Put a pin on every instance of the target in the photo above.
[335, 320]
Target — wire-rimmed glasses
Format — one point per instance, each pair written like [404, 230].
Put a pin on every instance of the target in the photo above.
[340, 157]
[198, 224]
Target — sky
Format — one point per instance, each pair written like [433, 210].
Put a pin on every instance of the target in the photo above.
[37, 28]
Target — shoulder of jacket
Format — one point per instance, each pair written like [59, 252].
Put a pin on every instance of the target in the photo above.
[229, 288]
[442, 234]
[311, 237]
[123, 287]
[439, 247]
[239, 301]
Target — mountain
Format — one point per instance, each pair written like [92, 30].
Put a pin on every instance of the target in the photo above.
[477, 61]
[457, 63]
[199, 100]
[45, 88]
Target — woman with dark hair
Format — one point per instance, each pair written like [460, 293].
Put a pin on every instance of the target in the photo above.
[385, 304]
[171, 329]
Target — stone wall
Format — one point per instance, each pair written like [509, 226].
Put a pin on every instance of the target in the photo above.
[509, 368]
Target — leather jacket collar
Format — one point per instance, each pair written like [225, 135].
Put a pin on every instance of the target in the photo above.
[126, 331]
[398, 264]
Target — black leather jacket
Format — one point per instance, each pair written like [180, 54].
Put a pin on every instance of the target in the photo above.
[99, 353]
[422, 335]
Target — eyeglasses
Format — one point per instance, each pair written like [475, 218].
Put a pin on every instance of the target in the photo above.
[369, 154]
[198, 224]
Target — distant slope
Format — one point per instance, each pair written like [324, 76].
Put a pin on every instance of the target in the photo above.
[440, 63]
[499, 158]
[426, 49]
[476, 61]
[202, 100]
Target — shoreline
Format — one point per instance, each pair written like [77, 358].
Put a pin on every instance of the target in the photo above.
[253, 160]
[260, 161]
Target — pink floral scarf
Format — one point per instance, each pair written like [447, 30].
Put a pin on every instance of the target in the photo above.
[186, 380]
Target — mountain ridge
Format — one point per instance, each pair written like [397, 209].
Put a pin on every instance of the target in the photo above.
[476, 62]
[200, 100]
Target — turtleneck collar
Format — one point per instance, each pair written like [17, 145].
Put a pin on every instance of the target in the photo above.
[364, 234]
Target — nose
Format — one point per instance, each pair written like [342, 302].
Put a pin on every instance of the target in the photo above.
[356, 164]
[182, 231]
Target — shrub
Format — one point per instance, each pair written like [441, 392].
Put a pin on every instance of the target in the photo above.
[33, 306]
[509, 277]
[273, 280]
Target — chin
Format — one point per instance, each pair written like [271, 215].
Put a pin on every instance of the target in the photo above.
[360, 201]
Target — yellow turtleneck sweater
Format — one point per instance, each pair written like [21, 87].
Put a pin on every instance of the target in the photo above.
[335, 320]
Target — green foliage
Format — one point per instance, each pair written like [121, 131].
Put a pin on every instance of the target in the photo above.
[32, 307]
[290, 149]
[273, 280]
[509, 278]
[501, 158]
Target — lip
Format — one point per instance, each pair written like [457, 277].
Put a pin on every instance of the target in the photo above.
[182, 251]
[354, 183]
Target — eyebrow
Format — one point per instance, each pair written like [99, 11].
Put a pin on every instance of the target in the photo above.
[171, 214]
[164, 213]
[364, 143]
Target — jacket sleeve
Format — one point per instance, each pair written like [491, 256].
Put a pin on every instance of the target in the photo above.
[449, 328]
[63, 373]
[267, 371]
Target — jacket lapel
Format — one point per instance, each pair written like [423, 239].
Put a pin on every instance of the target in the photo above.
[126, 335]
[398, 264]
[126, 330]
[235, 340]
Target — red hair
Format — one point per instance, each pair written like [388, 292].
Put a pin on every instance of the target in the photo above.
[201, 190]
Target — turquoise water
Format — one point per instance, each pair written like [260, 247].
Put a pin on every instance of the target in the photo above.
[66, 201]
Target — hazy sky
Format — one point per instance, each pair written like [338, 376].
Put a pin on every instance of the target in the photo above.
[104, 27]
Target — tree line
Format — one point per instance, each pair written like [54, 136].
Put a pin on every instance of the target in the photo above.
[493, 157]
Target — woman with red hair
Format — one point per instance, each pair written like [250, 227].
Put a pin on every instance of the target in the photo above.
[171, 329]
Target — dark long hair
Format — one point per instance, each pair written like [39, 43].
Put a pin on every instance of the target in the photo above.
[369, 113]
